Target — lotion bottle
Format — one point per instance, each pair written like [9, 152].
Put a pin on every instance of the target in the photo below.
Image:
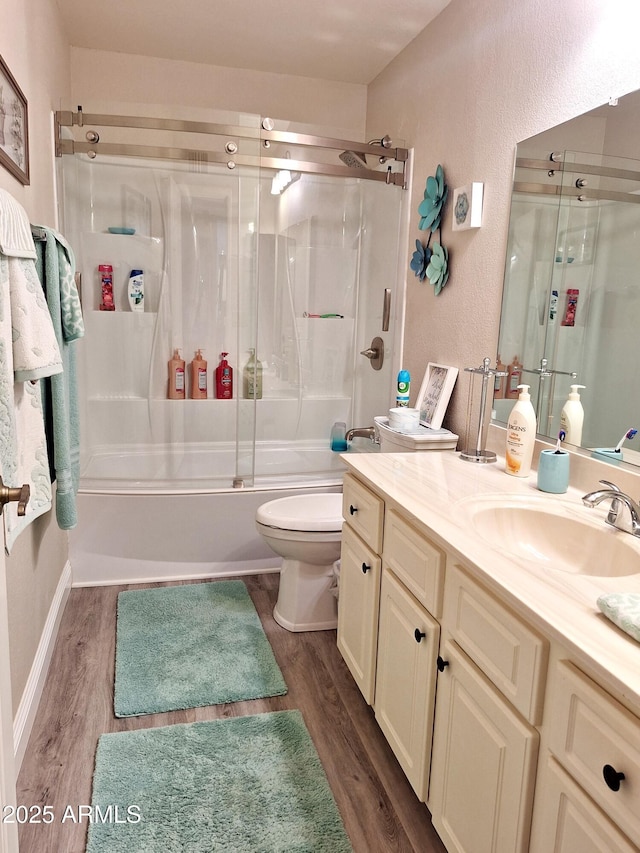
[198, 377]
[521, 435]
[176, 377]
[572, 416]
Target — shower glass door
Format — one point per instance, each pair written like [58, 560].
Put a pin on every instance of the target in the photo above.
[231, 264]
[194, 227]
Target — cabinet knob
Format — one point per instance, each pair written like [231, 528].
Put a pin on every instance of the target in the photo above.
[365, 568]
[612, 777]
[441, 663]
[418, 634]
[353, 509]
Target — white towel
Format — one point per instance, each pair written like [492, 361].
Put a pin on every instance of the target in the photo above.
[28, 344]
[623, 608]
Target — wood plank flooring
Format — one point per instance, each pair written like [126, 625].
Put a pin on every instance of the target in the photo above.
[379, 809]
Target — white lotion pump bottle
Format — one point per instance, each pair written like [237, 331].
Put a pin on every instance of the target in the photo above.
[521, 435]
[572, 416]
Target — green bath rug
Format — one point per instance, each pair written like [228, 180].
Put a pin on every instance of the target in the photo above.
[238, 785]
[191, 645]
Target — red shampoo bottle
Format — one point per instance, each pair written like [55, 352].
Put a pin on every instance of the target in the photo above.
[224, 379]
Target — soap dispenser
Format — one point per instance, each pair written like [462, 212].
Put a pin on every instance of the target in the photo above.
[521, 435]
[572, 416]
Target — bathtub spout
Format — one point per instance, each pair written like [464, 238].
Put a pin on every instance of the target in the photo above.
[361, 432]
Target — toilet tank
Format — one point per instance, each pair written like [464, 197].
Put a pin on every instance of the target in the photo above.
[418, 440]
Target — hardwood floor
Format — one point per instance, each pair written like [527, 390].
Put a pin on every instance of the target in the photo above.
[377, 804]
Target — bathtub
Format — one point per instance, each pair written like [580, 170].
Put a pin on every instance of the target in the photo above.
[138, 524]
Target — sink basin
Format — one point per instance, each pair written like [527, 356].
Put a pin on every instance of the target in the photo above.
[556, 535]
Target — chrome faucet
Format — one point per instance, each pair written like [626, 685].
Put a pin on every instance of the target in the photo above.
[361, 432]
[629, 521]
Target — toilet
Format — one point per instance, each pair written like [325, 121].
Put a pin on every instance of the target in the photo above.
[305, 530]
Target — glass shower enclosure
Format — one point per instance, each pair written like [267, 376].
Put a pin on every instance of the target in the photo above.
[280, 255]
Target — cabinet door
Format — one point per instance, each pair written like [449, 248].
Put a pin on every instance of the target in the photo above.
[408, 640]
[483, 765]
[566, 820]
[358, 605]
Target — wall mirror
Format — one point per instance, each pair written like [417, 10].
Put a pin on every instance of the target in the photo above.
[571, 300]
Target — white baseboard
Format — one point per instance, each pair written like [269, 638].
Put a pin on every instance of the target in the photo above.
[26, 713]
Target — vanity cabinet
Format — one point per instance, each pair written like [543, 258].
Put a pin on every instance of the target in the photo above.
[513, 746]
[360, 569]
[408, 641]
[485, 747]
[590, 780]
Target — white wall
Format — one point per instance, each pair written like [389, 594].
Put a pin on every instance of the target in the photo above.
[34, 46]
[100, 79]
[480, 78]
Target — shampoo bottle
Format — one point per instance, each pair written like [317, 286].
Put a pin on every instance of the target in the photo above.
[136, 290]
[521, 435]
[176, 377]
[572, 416]
[403, 388]
[106, 287]
[513, 379]
[224, 379]
[252, 378]
[198, 377]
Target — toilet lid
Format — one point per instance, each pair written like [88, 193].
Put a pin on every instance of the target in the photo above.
[303, 512]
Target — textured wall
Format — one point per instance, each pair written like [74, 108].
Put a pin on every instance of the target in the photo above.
[34, 46]
[480, 78]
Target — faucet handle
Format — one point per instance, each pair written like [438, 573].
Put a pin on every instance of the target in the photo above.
[610, 485]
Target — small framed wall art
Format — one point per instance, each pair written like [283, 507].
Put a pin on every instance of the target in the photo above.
[14, 130]
[435, 393]
[467, 207]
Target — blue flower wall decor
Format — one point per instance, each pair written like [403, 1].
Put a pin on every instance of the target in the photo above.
[435, 195]
[426, 262]
[420, 259]
[438, 268]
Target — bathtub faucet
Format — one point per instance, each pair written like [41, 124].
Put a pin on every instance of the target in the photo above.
[361, 432]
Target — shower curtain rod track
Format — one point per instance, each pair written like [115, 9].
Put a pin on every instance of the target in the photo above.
[267, 137]
[578, 168]
[581, 194]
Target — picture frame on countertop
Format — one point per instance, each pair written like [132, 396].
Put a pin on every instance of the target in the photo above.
[14, 126]
[435, 393]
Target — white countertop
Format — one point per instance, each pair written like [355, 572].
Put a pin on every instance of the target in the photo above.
[436, 490]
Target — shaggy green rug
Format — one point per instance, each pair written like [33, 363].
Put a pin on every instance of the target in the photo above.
[238, 785]
[191, 645]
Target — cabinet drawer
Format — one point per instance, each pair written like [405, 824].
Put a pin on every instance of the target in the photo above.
[415, 561]
[364, 511]
[591, 731]
[509, 653]
[565, 819]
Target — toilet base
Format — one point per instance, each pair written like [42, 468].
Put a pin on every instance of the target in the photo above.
[305, 600]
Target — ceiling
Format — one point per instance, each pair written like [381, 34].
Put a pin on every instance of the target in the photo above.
[341, 40]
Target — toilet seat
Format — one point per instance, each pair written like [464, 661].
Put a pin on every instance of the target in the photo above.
[320, 513]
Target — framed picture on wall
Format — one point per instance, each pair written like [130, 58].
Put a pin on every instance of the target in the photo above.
[14, 129]
[435, 393]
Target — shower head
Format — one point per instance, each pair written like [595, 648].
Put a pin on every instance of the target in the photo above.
[353, 159]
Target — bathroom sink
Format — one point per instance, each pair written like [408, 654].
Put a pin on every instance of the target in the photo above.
[556, 535]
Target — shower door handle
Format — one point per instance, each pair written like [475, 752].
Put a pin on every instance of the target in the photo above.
[375, 353]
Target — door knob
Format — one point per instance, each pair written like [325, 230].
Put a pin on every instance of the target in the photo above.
[20, 494]
[375, 353]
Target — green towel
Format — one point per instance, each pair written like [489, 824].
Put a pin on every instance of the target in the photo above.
[56, 268]
[623, 608]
